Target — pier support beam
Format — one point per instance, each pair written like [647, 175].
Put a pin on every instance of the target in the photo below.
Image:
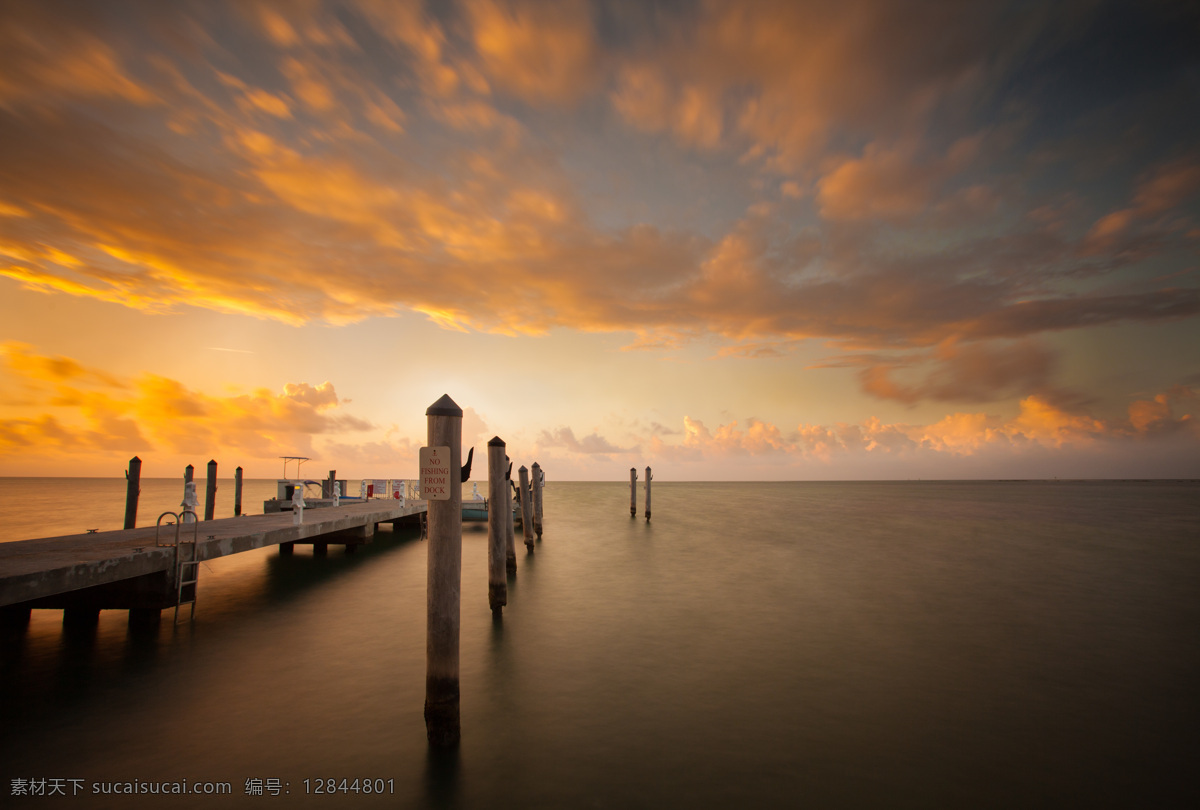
[510, 545]
[287, 548]
[497, 498]
[444, 429]
[535, 483]
[526, 507]
[237, 492]
[144, 618]
[649, 478]
[81, 617]
[633, 492]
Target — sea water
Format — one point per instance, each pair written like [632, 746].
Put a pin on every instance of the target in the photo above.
[898, 644]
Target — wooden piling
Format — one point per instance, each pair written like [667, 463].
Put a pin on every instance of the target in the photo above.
[536, 482]
[133, 480]
[444, 429]
[633, 492]
[210, 491]
[526, 507]
[237, 492]
[649, 478]
[189, 473]
[497, 497]
[510, 544]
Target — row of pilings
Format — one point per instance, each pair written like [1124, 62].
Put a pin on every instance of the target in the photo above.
[444, 561]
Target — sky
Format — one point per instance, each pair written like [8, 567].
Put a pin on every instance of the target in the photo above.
[728, 240]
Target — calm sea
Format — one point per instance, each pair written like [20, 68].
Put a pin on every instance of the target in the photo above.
[907, 644]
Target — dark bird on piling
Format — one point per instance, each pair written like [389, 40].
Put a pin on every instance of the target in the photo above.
[466, 469]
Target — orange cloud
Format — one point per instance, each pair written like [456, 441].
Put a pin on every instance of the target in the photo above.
[94, 411]
[540, 52]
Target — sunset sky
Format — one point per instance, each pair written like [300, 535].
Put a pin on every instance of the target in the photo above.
[731, 240]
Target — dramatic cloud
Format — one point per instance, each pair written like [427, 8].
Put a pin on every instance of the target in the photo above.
[86, 410]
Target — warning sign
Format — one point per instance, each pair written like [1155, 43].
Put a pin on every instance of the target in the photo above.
[435, 473]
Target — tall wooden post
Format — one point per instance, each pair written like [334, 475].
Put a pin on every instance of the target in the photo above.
[187, 513]
[510, 543]
[649, 478]
[237, 492]
[526, 507]
[210, 491]
[132, 490]
[633, 491]
[444, 429]
[497, 498]
[536, 483]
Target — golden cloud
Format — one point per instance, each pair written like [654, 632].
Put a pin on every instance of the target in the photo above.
[94, 411]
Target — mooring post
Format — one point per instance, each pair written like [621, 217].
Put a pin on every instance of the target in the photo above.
[633, 492]
[510, 544]
[497, 497]
[132, 490]
[526, 507]
[298, 505]
[237, 492]
[210, 491]
[444, 429]
[649, 478]
[187, 513]
[536, 482]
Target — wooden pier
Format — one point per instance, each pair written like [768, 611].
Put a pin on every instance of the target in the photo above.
[125, 569]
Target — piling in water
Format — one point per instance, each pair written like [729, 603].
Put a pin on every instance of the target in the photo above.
[649, 478]
[633, 492]
[132, 490]
[444, 429]
[536, 483]
[526, 507]
[497, 498]
[237, 492]
[510, 541]
[210, 491]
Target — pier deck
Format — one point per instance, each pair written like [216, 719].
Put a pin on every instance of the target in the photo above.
[48, 572]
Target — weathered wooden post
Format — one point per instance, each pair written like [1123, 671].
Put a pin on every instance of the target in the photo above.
[510, 544]
[633, 491]
[497, 497]
[237, 492]
[536, 483]
[444, 430]
[526, 507]
[649, 478]
[133, 489]
[187, 513]
[210, 491]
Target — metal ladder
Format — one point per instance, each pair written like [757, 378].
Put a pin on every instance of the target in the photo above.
[184, 564]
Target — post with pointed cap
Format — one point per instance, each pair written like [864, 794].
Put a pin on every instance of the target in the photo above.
[633, 492]
[526, 507]
[510, 541]
[237, 492]
[536, 483]
[132, 490]
[649, 478]
[497, 498]
[444, 429]
[189, 473]
[210, 491]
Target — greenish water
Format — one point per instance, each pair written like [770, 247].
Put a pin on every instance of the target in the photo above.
[895, 644]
